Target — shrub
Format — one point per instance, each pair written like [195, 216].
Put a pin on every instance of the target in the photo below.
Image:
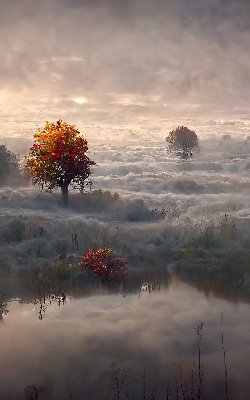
[8, 163]
[14, 231]
[63, 271]
[104, 264]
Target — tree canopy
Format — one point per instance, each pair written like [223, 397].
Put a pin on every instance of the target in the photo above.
[8, 163]
[182, 139]
[58, 158]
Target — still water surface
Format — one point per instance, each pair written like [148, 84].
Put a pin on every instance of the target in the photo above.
[149, 342]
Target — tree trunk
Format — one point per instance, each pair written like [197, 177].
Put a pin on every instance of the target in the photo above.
[65, 194]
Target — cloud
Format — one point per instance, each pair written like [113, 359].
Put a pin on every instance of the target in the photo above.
[155, 52]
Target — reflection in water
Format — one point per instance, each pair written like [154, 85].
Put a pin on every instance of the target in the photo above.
[149, 286]
[3, 309]
[220, 283]
[30, 393]
[47, 300]
[138, 346]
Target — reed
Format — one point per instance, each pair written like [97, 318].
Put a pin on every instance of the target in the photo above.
[224, 357]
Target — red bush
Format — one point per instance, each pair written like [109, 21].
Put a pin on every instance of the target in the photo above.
[104, 264]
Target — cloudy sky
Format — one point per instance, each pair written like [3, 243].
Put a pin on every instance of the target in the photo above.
[112, 62]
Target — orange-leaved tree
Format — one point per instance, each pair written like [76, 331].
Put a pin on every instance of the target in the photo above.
[58, 158]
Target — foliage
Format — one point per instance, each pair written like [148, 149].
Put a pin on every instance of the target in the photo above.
[14, 230]
[103, 198]
[8, 163]
[104, 264]
[191, 242]
[182, 139]
[58, 157]
[68, 268]
[62, 246]
[4, 268]
[63, 271]
[220, 233]
[214, 247]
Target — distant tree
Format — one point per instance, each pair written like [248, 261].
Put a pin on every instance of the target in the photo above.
[182, 139]
[58, 158]
[8, 163]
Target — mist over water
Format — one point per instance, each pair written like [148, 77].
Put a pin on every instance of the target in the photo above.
[70, 352]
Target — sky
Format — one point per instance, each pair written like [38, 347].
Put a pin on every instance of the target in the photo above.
[126, 73]
[139, 63]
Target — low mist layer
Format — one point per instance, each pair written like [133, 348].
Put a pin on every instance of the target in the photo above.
[71, 351]
[145, 203]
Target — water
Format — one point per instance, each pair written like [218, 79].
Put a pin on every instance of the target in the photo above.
[148, 341]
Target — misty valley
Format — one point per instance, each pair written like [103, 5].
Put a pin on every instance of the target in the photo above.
[124, 200]
[176, 324]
